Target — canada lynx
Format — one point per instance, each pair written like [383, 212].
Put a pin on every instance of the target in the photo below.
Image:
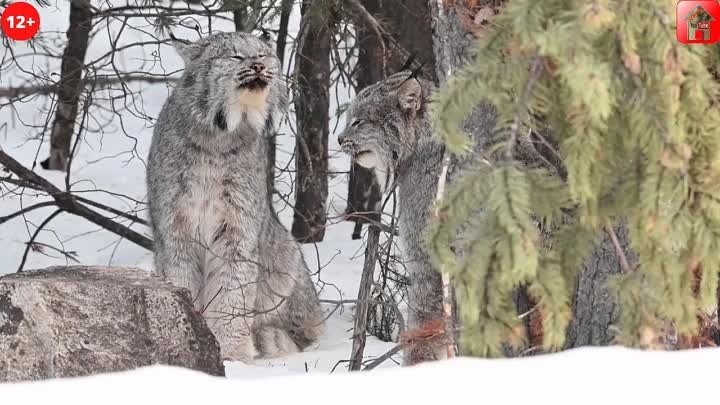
[215, 232]
[388, 129]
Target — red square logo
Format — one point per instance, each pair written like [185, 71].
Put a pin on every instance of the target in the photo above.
[698, 22]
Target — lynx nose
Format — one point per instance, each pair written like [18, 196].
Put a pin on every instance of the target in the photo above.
[258, 67]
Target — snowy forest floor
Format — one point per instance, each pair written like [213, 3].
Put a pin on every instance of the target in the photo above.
[589, 376]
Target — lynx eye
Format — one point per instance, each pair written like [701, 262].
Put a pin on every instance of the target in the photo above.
[356, 123]
[238, 57]
[262, 55]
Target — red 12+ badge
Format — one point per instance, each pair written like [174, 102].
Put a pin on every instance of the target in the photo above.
[20, 21]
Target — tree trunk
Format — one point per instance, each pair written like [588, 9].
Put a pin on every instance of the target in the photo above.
[246, 14]
[407, 23]
[312, 74]
[594, 304]
[286, 7]
[239, 17]
[70, 86]
[594, 309]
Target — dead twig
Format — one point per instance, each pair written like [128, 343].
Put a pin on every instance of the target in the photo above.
[395, 350]
[361, 311]
[34, 236]
[618, 249]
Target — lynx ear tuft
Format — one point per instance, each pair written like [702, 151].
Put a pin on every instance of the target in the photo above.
[266, 37]
[186, 49]
[410, 95]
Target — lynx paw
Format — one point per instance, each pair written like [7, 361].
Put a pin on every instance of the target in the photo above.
[274, 342]
[238, 350]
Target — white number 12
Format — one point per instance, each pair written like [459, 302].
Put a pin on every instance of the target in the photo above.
[20, 22]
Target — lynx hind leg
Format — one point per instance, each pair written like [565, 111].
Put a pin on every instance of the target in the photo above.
[299, 314]
[230, 293]
[294, 326]
[302, 316]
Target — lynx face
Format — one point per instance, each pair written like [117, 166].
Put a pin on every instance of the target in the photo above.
[233, 74]
[379, 133]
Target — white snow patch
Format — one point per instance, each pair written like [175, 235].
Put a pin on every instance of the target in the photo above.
[581, 376]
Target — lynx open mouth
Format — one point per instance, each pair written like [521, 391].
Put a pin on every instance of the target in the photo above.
[257, 83]
[351, 149]
[348, 147]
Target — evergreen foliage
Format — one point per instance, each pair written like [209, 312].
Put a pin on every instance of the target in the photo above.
[635, 114]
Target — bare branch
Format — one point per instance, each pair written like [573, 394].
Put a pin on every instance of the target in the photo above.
[395, 350]
[100, 82]
[69, 203]
[26, 210]
[34, 236]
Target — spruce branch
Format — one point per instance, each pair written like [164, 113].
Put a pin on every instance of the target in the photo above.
[633, 119]
[535, 69]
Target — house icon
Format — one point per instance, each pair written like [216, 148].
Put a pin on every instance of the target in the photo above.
[698, 24]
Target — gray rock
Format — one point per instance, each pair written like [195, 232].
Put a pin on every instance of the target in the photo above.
[75, 321]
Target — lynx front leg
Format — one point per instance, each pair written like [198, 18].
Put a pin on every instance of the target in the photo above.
[176, 261]
[229, 293]
[425, 302]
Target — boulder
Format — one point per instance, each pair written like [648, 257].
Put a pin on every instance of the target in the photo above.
[76, 321]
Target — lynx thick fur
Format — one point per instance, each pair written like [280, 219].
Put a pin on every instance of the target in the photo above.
[215, 231]
[388, 129]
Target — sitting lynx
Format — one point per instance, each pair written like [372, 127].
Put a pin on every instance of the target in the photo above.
[388, 129]
[215, 232]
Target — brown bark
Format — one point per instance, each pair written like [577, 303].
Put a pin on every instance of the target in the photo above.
[594, 306]
[312, 74]
[70, 86]
[407, 22]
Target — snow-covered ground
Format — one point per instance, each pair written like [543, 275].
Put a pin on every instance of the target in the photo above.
[112, 158]
[586, 376]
